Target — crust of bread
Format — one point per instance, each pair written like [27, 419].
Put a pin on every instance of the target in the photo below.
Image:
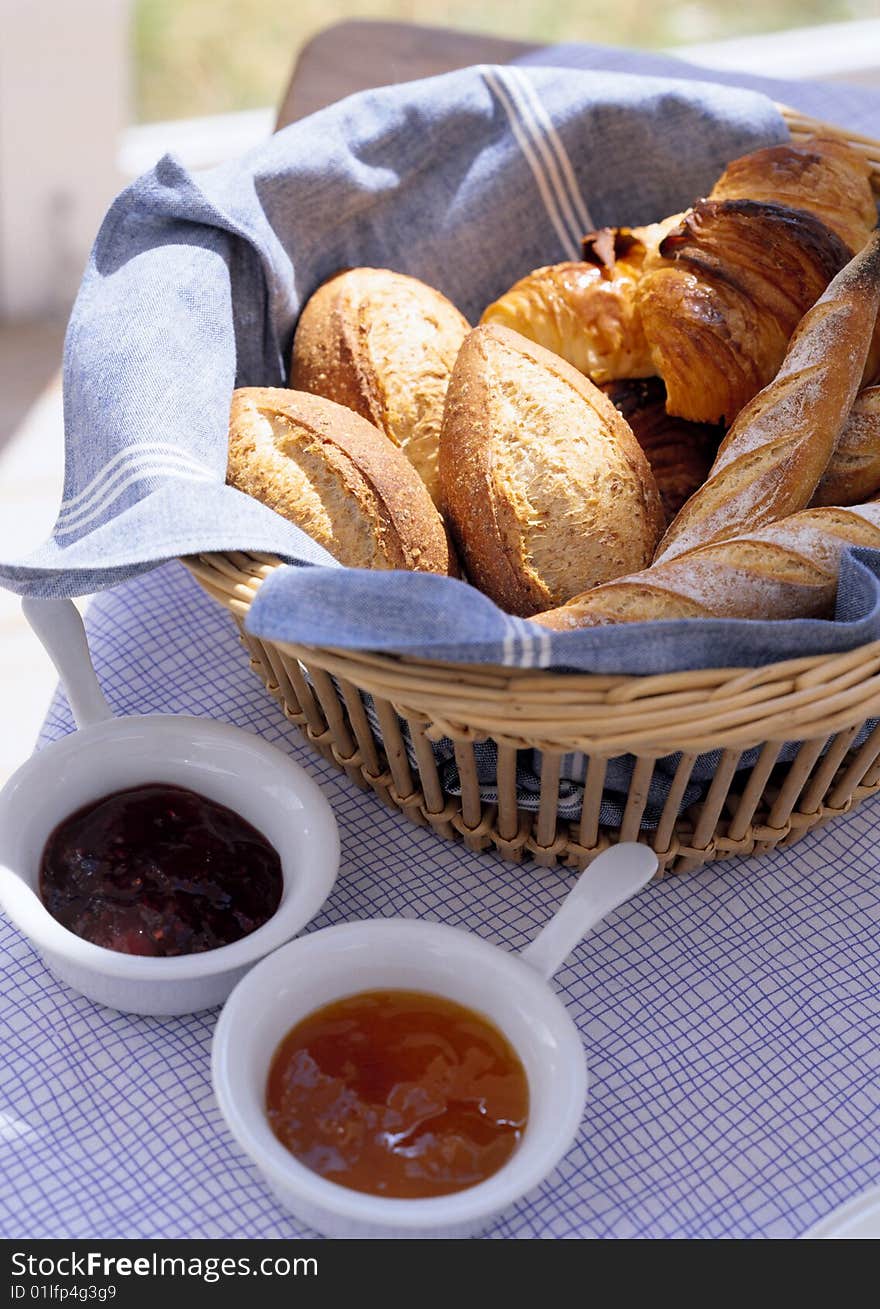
[337, 477]
[788, 569]
[546, 488]
[382, 344]
[853, 473]
[772, 459]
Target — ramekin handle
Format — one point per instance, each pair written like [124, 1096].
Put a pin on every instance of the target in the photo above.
[57, 624]
[610, 880]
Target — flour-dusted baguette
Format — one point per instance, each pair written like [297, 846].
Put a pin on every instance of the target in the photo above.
[545, 486]
[772, 459]
[787, 569]
[853, 473]
[382, 344]
[337, 477]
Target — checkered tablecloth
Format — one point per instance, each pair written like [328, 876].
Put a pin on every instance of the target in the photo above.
[731, 1018]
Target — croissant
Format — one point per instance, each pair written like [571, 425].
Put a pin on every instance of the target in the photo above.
[680, 453]
[681, 298]
[787, 569]
[586, 312]
[772, 459]
[824, 176]
[719, 315]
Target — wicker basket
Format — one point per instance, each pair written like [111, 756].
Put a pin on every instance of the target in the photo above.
[824, 703]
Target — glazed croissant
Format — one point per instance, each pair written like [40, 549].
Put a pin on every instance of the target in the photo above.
[708, 300]
[772, 459]
[825, 176]
[719, 312]
[787, 569]
[586, 312]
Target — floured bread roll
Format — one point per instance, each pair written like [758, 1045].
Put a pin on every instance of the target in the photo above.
[331, 473]
[546, 488]
[382, 344]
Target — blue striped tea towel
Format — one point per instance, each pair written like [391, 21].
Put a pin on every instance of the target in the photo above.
[467, 181]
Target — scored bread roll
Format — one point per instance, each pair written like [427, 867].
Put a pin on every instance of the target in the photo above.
[787, 569]
[545, 486]
[341, 480]
[770, 462]
[853, 473]
[382, 344]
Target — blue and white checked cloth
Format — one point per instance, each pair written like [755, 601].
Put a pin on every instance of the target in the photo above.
[731, 1018]
[466, 180]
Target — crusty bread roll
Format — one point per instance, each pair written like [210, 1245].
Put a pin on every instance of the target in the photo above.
[586, 312]
[546, 488]
[718, 309]
[680, 453]
[787, 569]
[853, 473]
[773, 457]
[382, 344]
[337, 477]
[823, 175]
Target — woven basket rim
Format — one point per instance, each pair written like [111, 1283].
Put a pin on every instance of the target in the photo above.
[628, 713]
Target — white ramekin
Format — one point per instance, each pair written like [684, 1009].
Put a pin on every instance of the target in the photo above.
[511, 990]
[226, 764]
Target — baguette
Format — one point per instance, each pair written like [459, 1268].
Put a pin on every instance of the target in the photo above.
[331, 473]
[853, 473]
[772, 459]
[787, 569]
[546, 488]
[382, 344]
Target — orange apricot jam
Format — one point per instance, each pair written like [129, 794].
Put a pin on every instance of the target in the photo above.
[398, 1093]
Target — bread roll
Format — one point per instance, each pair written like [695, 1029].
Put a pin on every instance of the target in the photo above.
[823, 175]
[545, 486]
[338, 478]
[680, 453]
[383, 345]
[787, 569]
[773, 457]
[718, 311]
[853, 473]
[586, 312]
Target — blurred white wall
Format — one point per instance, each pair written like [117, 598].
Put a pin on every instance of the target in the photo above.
[64, 101]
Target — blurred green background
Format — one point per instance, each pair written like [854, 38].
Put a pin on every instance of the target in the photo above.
[197, 57]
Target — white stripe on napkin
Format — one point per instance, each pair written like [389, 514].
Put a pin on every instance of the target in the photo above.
[528, 133]
[76, 522]
[580, 220]
[132, 454]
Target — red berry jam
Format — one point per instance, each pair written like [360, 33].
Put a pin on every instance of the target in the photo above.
[159, 870]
